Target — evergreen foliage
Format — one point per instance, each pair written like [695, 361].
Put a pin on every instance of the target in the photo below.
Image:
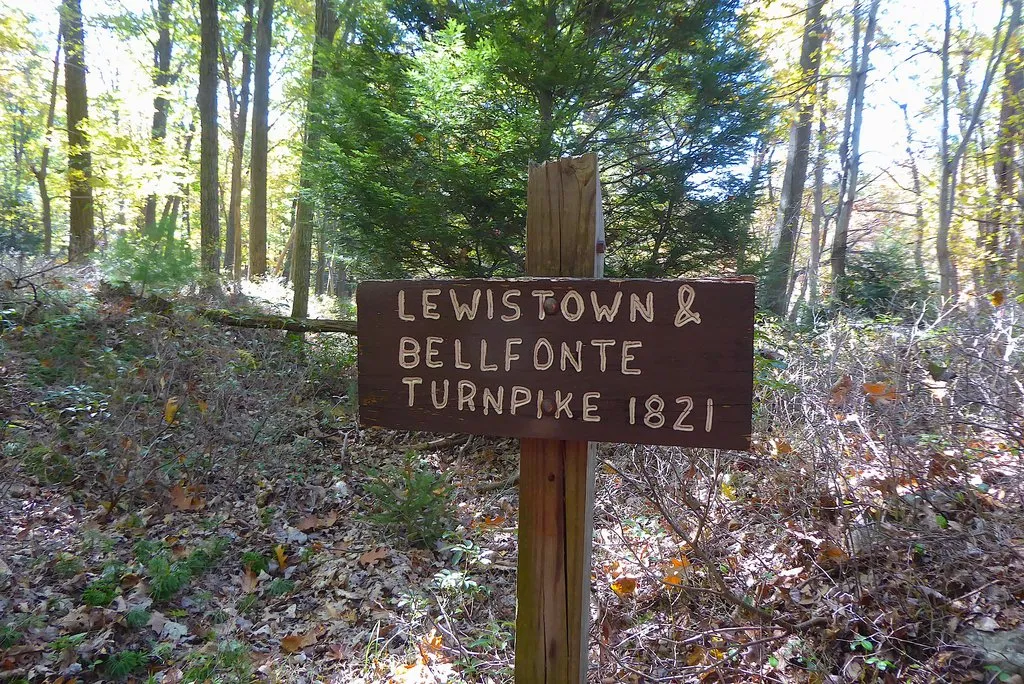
[429, 125]
[150, 260]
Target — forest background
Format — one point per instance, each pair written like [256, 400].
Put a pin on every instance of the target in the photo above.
[188, 500]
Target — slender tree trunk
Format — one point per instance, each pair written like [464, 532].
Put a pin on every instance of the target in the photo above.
[284, 261]
[258, 161]
[326, 27]
[209, 226]
[239, 109]
[82, 239]
[776, 285]
[948, 280]
[321, 258]
[858, 83]
[814, 259]
[1008, 137]
[161, 105]
[40, 171]
[915, 176]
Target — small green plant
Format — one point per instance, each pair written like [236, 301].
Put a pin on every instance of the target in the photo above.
[9, 635]
[229, 663]
[120, 665]
[68, 643]
[412, 501]
[255, 562]
[280, 587]
[103, 589]
[247, 604]
[166, 576]
[67, 565]
[137, 618]
[47, 466]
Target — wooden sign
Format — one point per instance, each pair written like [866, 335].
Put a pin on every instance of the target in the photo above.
[632, 361]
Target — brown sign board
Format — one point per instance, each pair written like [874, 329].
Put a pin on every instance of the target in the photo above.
[629, 361]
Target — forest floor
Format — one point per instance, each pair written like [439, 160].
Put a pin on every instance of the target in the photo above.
[187, 502]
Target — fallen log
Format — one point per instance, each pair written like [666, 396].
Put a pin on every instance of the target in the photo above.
[311, 325]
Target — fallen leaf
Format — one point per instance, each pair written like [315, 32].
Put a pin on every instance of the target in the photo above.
[249, 581]
[296, 642]
[624, 586]
[997, 297]
[312, 522]
[282, 558]
[430, 646]
[371, 557]
[879, 392]
[171, 409]
[840, 391]
[186, 499]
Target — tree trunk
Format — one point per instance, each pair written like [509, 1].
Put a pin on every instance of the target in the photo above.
[1008, 137]
[858, 84]
[814, 260]
[258, 161]
[82, 238]
[209, 227]
[161, 105]
[321, 257]
[40, 171]
[948, 281]
[326, 27]
[239, 109]
[284, 261]
[915, 176]
[776, 285]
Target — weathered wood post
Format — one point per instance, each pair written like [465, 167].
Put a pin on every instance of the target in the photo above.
[556, 482]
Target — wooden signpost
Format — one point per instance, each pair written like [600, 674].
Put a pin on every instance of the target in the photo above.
[560, 359]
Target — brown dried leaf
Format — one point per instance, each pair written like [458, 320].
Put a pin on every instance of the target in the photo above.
[312, 522]
[296, 642]
[371, 557]
[186, 499]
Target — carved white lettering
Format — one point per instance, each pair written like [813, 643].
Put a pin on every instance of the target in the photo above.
[467, 390]
[603, 345]
[484, 366]
[509, 356]
[431, 352]
[443, 401]
[627, 357]
[408, 353]
[512, 306]
[562, 404]
[578, 306]
[401, 308]
[464, 310]
[687, 404]
[590, 408]
[567, 357]
[543, 343]
[602, 311]
[524, 395]
[429, 307]
[541, 296]
[646, 311]
[493, 401]
[459, 361]
[412, 382]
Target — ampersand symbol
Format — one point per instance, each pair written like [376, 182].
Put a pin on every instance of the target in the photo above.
[686, 296]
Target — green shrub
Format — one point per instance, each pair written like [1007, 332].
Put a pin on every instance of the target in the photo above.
[102, 590]
[882, 279]
[150, 260]
[137, 618]
[9, 636]
[413, 502]
[120, 665]
[167, 576]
